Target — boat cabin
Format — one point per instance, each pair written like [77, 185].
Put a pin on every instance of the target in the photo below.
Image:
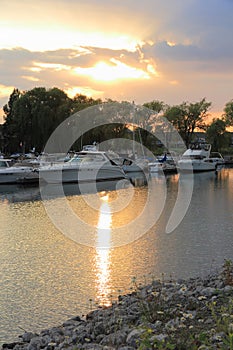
[5, 163]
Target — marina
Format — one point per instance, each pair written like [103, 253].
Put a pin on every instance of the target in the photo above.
[48, 277]
[116, 173]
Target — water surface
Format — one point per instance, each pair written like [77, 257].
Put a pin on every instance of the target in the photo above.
[47, 277]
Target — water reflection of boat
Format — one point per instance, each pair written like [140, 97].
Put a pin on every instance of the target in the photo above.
[49, 191]
[198, 177]
[19, 193]
[32, 192]
[138, 178]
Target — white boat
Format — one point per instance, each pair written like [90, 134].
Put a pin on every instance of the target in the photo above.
[129, 165]
[163, 164]
[137, 165]
[85, 166]
[156, 167]
[217, 157]
[166, 167]
[198, 158]
[16, 173]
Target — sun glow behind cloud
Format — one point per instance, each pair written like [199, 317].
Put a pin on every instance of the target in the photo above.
[43, 39]
[55, 66]
[83, 90]
[158, 52]
[5, 90]
[30, 78]
[103, 71]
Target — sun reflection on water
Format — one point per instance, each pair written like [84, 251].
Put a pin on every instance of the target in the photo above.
[103, 245]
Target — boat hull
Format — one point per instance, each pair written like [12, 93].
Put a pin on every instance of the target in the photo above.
[196, 166]
[165, 168]
[18, 175]
[81, 175]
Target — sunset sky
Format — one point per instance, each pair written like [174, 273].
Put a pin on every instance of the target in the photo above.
[132, 50]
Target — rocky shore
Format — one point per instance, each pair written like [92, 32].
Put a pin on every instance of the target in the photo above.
[184, 314]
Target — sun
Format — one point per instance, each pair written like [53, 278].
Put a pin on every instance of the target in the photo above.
[109, 72]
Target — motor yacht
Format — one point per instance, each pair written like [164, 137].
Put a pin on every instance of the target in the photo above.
[85, 166]
[11, 172]
[198, 158]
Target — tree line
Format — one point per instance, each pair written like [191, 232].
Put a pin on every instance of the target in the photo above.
[30, 117]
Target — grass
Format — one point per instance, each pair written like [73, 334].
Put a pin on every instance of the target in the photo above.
[212, 327]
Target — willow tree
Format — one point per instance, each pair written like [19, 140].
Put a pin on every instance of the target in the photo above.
[33, 116]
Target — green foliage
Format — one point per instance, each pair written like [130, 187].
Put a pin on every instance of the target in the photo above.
[228, 272]
[32, 116]
[149, 341]
[223, 320]
[228, 113]
[80, 102]
[190, 333]
[155, 105]
[187, 117]
[9, 129]
[217, 135]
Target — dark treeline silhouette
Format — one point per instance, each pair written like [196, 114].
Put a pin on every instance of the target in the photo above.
[31, 116]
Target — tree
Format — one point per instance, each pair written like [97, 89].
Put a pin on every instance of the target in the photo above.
[80, 102]
[9, 129]
[228, 113]
[187, 117]
[217, 135]
[33, 116]
[155, 105]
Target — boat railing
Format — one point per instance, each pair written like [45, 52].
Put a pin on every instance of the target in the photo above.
[200, 146]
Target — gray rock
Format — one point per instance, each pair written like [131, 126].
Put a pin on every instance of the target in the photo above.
[114, 339]
[91, 346]
[159, 337]
[35, 344]
[27, 336]
[133, 337]
[228, 289]
[123, 326]
[208, 291]
[99, 328]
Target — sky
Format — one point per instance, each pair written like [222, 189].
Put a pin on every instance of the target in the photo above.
[171, 51]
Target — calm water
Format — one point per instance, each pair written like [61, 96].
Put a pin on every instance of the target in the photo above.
[47, 277]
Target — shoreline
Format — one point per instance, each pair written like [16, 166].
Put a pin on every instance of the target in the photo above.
[194, 313]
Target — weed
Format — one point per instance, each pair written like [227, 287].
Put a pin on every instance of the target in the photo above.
[228, 272]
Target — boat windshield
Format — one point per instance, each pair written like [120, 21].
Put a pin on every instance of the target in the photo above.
[4, 164]
[216, 155]
[87, 158]
[200, 146]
